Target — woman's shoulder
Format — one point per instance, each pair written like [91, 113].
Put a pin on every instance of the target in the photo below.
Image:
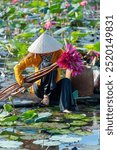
[60, 51]
[32, 56]
[29, 55]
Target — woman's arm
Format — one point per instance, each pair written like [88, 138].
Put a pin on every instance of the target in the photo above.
[22, 65]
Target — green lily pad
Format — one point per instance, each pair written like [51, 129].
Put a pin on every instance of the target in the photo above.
[12, 137]
[42, 117]
[82, 132]
[75, 116]
[7, 123]
[47, 142]
[87, 119]
[10, 144]
[8, 107]
[57, 119]
[54, 125]
[28, 116]
[66, 138]
[35, 137]
[10, 133]
[4, 114]
[72, 128]
[10, 119]
[59, 131]
[78, 123]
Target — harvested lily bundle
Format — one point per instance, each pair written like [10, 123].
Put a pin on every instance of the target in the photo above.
[15, 88]
[71, 60]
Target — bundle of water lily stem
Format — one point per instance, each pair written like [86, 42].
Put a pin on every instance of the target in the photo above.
[16, 88]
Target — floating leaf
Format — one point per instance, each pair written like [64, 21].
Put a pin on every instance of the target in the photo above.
[66, 138]
[61, 30]
[35, 136]
[47, 142]
[59, 131]
[95, 46]
[12, 137]
[10, 144]
[42, 117]
[55, 8]
[75, 116]
[74, 9]
[78, 123]
[10, 119]
[28, 116]
[4, 114]
[10, 133]
[25, 35]
[38, 3]
[8, 107]
[54, 125]
[82, 132]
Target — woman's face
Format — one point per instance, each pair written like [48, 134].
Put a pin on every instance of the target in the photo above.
[46, 54]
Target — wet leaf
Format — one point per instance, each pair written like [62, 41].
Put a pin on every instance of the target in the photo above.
[8, 107]
[55, 8]
[10, 144]
[4, 114]
[66, 138]
[6, 123]
[59, 131]
[78, 123]
[25, 35]
[38, 3]
[12, 137]
[10, 119]
[47, 142]
[61, 30]
[75, 116]
[30, 114]
[42, 117]
[72, 128]
[10, 133]
[35, 136]
[54, 125]
[82, 132]
[74, 9]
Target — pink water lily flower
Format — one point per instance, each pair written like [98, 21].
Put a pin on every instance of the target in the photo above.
[49, 24]
[67, 5]
[15, 1]
[83, 3]
[71, 60]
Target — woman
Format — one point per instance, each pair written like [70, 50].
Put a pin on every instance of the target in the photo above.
[51, 89]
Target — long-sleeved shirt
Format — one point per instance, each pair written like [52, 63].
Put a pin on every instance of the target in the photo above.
[33, 60]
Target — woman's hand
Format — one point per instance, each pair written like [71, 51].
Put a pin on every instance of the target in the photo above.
[45, 100]
[68, 74]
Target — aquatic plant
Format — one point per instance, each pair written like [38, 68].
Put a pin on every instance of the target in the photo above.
[71, 60]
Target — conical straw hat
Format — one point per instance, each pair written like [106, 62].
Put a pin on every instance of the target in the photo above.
[44, 44]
